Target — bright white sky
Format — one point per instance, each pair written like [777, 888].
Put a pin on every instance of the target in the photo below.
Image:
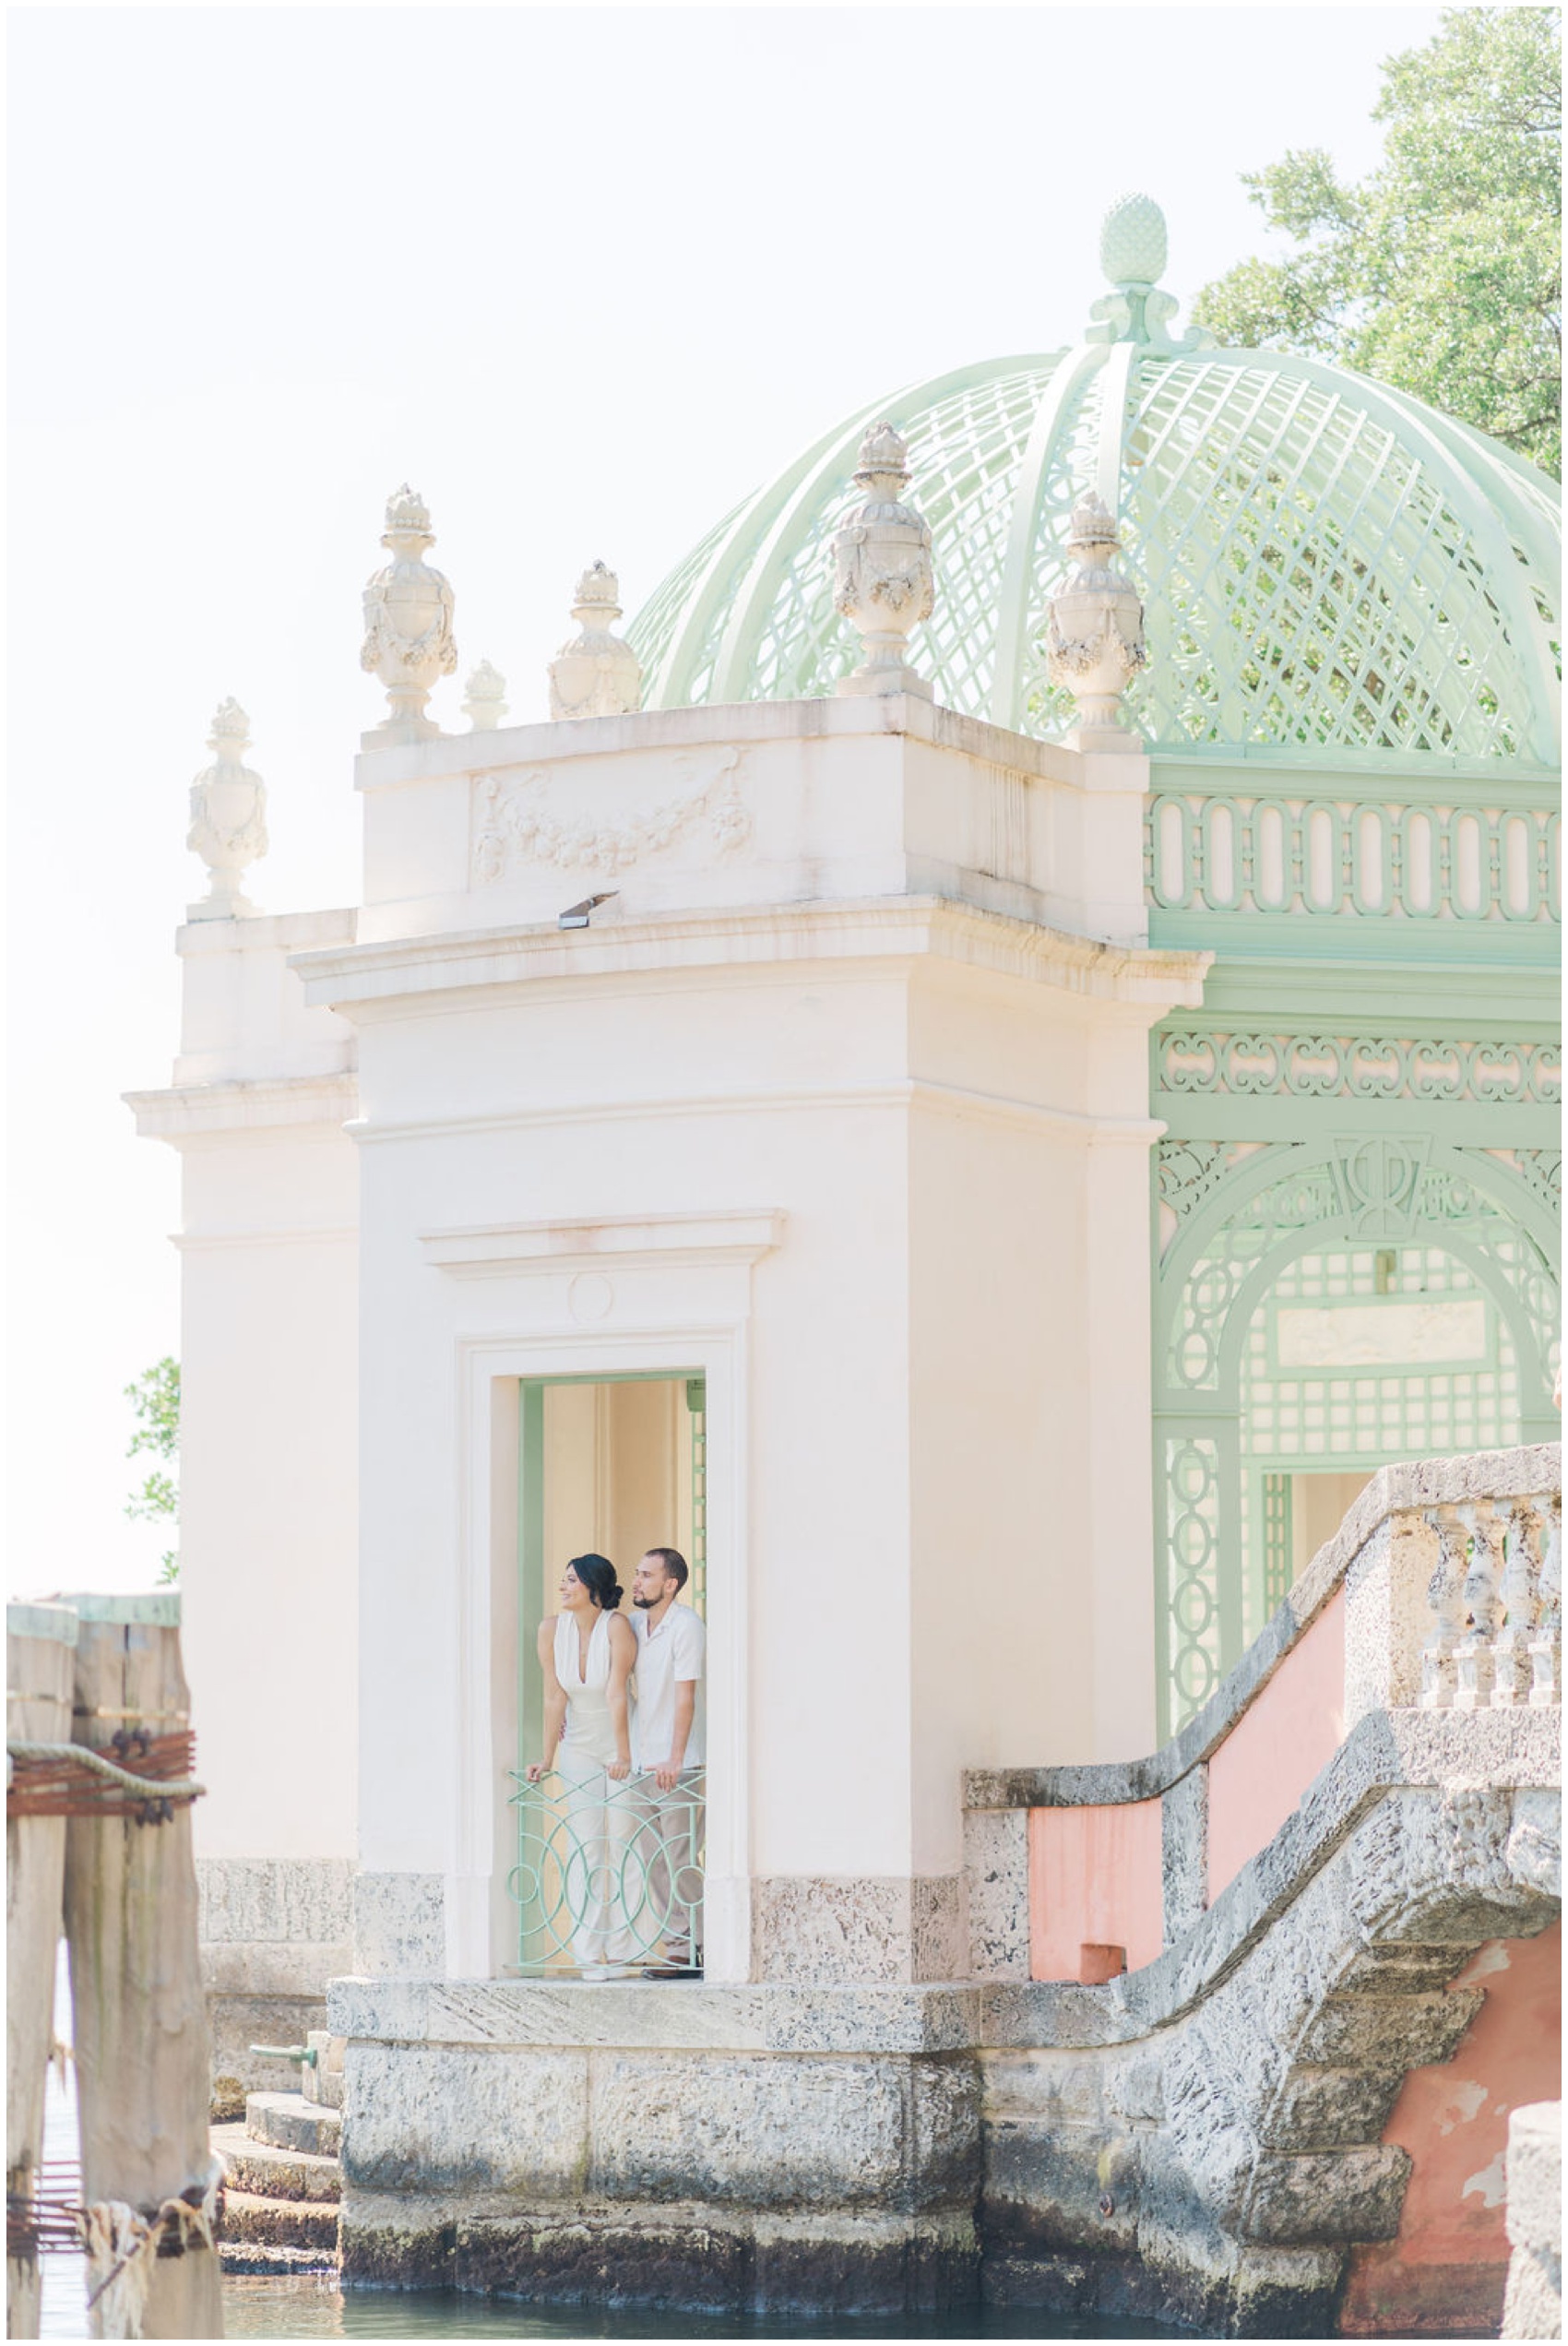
[584, 277]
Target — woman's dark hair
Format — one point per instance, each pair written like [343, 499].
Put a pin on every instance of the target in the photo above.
[598, 1577]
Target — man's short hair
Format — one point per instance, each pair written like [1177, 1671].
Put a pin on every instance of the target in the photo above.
[674, 1564]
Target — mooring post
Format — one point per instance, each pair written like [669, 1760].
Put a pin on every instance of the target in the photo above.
[141, 2032]
[39, 1642]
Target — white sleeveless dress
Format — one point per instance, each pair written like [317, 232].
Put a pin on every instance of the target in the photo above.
[588, 1740]
[600, 1819]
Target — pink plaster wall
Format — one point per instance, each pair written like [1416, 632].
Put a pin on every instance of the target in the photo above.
[1291, 1730]
[1094, 1875]
[1443, 2274]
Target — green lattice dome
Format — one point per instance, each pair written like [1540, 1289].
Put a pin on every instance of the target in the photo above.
[1329, 566]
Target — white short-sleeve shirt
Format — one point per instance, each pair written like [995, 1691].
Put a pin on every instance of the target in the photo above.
[670, 1655]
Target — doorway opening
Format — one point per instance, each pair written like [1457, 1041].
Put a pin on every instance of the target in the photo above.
[612, 1466]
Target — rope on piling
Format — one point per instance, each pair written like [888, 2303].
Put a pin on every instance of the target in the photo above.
[119, 2236]
[73, 1779]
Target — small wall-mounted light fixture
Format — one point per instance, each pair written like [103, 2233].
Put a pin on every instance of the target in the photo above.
[576, 916]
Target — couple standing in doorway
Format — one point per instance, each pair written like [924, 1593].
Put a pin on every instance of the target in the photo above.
[625, 1728]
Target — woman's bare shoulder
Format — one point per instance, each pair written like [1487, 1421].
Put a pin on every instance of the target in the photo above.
[618, 1624]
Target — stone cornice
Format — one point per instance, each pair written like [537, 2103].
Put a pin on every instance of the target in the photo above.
[266, 932]
[201, 1242]
[936, 1099]
[883, 716]
[357, 978]
[199, 1110]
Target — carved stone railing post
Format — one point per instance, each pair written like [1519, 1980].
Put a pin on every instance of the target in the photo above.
[883, 579]
[1546, 1646]
[484, 698]
[1473, 1656]
[1386, 1585]
[1446, 1604]
[408, 617]
[595, 673]
[1511, 1674]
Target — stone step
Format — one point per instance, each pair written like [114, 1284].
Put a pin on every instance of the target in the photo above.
[269, 2172]
[260, 2259]
[291, 2123]
[280, 2223]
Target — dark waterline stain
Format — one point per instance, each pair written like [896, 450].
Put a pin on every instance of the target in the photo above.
[293, 2308]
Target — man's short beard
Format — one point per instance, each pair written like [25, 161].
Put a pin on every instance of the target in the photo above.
[645, 1604]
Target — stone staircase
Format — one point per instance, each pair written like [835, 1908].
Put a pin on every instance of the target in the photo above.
[284, 2180]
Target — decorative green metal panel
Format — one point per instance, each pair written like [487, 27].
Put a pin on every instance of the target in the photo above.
[697, 1411]
[1329, 568]
[608, 1872]
[1199, 1612]
[1273, 1508]
[1288, 1217]
[1212, 1064]
[1404, 871]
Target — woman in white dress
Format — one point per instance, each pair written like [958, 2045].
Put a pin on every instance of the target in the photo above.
[587, 1653]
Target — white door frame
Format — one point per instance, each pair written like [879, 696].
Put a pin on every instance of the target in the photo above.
[586, 1300]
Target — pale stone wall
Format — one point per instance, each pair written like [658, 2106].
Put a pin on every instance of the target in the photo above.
[752, 804]
[859, 957]
[269, 1350]
[273, 1931]
[1533, 2307]
[823, 1002]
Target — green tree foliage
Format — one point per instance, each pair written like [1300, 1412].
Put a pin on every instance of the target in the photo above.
[1441, 273]
[155, 1397]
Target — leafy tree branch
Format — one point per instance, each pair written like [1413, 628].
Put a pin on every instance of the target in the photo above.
[155, 1397]
[1441, 273]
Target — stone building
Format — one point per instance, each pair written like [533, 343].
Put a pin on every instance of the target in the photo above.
[992, 1076]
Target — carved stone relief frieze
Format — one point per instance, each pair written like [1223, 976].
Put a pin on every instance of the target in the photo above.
[526, 819]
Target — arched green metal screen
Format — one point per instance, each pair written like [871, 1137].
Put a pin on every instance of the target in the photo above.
[1329, 568]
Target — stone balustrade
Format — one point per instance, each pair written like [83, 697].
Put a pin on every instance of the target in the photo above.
[1494, 1600]
[1210, 1974]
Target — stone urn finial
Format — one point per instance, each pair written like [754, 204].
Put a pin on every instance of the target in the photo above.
[408, 617]
[484, 698]
[883, 579]
[228, 816]
[1094, 638]
[595, 673]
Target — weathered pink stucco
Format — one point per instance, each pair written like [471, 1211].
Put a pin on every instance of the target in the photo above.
[1291, 1730]
[1443, 2273]
[1094, 1876]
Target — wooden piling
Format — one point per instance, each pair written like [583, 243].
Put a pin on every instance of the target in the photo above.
[140, 2015]
[40, 1643]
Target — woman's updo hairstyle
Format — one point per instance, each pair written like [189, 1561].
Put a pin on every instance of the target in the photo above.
[598, 1577]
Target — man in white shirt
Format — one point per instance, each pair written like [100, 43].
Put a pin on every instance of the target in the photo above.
[668, 1746]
